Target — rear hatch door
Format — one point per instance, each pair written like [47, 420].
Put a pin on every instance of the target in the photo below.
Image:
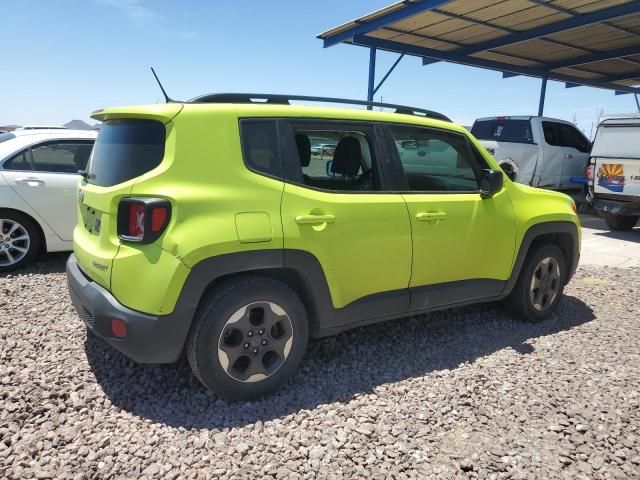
[130, 144]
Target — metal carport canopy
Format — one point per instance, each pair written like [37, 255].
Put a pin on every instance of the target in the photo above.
[580, 42]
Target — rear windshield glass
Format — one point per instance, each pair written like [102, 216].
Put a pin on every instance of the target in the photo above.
[617, 141]
[515, 131]
[126, 149]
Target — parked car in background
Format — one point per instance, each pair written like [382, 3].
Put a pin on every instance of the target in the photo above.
[537, 151]
[323, 149]
[38, 184]
[613, 173]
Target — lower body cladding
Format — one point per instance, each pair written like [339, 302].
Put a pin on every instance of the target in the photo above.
[160, 338]
[143, 338]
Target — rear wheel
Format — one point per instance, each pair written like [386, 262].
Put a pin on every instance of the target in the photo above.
[620, 222]
[248, 338]
[540, 285]
[19, 241]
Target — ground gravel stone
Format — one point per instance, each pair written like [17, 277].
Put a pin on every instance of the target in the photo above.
[466, 393]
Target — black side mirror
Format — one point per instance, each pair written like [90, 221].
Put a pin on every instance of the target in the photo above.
[328, 166]
[491, 182]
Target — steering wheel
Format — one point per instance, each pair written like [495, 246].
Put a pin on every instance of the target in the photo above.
[365, 180]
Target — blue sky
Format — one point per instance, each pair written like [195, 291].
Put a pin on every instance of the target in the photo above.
[62, 59]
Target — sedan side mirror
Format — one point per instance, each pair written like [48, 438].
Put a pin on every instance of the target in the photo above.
[491, 182]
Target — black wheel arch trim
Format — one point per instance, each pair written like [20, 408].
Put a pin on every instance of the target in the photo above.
[541, 230]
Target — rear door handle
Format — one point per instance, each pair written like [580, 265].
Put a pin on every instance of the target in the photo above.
[425, 216]
[315, 219]
[568, 155]
[31, 181]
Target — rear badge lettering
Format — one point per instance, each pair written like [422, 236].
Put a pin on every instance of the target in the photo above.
[100, 266]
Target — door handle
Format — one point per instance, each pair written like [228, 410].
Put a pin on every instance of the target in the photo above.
[31, 181]
[568, 155]
[426, 216]
[315, 219]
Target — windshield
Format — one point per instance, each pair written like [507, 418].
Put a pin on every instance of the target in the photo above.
[125, 149]
[617, 141]
[503, 130]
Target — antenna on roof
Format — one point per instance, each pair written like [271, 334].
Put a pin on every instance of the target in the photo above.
[167, 98]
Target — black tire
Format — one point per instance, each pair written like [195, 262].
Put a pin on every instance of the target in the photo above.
[9, 218]
[620, 222]
[253, 293]
[520, 302]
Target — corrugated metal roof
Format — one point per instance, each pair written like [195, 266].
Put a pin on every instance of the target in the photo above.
[591, 42]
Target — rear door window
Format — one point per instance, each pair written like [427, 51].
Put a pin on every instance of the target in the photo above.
[61, 157]
[334, 156]
[563, 135]
[126, 149]
[570, 136]
[503, 130]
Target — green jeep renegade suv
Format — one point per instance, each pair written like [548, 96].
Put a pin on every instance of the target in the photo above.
[227, 227]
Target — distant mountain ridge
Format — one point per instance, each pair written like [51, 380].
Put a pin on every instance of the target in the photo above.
[79, 125]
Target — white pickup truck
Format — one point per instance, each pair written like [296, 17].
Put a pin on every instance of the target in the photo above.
[613, 174]
[538, 151]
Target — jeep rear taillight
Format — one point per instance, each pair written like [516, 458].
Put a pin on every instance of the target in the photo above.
[136, 221]
[142, 219]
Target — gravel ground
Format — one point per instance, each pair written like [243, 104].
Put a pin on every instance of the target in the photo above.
[460, 394]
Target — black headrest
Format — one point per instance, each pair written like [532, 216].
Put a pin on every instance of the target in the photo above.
[304, 149]
[347, 159]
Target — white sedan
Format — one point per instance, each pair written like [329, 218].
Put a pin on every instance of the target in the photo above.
[38, 181]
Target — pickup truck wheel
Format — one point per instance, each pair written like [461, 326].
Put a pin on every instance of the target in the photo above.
[19, 241]
[540, 285]
[620, 222]
[248, 338]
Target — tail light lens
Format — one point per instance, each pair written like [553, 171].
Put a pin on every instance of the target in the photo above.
[589, 172]
[142, 220]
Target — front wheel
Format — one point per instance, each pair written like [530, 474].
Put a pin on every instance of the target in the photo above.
[248, 338]
[19, 240]
[540, 284]
[620, 222]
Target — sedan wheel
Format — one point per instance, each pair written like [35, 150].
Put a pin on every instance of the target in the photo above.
[14, 242]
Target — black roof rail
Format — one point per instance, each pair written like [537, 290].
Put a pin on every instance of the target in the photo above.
[279, 99]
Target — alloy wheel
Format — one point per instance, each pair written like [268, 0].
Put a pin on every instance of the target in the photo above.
[14, 242]
[545, 283]
[255, 341]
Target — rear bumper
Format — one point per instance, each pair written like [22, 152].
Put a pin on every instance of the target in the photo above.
[149, 338]
[616, 207]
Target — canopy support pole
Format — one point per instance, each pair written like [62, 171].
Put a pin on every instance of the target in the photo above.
[637, 101]
[395, 64]
[543, 93]
[372, 75]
